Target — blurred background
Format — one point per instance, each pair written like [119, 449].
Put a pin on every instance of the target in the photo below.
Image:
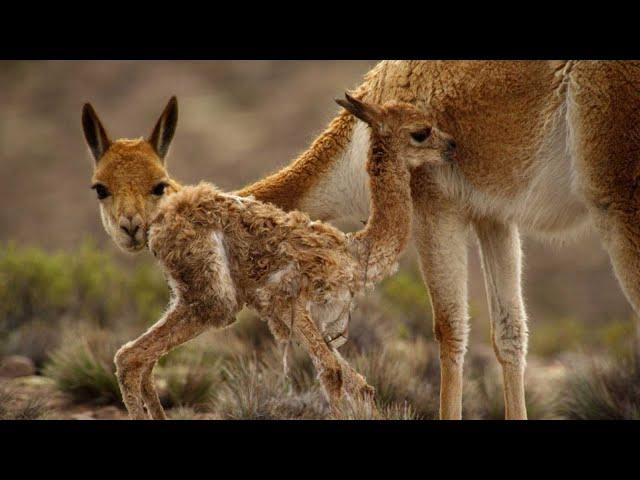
[69, 298]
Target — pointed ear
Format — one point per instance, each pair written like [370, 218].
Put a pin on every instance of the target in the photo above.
[366, 112]
[162, 134]
[94, 133]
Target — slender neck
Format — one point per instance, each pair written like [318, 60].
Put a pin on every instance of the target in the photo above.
[388, 229]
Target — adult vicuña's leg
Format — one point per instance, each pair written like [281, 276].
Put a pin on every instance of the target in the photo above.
[134, 358]
[501, 262]
[604, 125]
[441, 240]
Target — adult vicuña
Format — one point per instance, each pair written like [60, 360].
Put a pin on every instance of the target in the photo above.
[544, 146]
[221, 252]
[548, 147]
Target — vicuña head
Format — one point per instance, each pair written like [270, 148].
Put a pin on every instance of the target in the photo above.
[130, 176]
[406, 128]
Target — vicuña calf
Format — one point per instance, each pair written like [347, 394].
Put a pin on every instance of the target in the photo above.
[221, 252]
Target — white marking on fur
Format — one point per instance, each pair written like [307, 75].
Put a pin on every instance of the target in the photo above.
[238, 198]
[344, 191]
[227, 289]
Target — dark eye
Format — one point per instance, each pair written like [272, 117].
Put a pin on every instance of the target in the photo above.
[101, 190]
[158, 190]
[421, 135]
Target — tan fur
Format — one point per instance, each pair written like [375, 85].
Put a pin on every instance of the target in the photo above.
[130, 195]
[544, 146]
[221, 252]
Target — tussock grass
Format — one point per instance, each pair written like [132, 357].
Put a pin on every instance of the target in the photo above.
[83, 365]
[253, 389]
[602, 389]
[13, 408]
[190, 384]
[403, 373]
[249, 387]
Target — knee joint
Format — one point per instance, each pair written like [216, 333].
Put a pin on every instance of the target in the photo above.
[331, 379]
[510, 340]
[125, 360]
[452, 336]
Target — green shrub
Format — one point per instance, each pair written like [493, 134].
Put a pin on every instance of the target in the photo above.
[97, 284]
[86, 283]
[147, 292]
[33, 284]
[407, 300]
[564, 335]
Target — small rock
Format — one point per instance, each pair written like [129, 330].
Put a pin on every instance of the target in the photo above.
[15, 366]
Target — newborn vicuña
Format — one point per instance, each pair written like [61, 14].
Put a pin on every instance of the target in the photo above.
[221, 252]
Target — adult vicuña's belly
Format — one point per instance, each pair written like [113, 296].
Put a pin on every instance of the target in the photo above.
[543, 201]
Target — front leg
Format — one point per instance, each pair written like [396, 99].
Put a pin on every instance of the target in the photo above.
[137, 358]
[501, 263]
[324, 359]
[441, 240]
[356, 385]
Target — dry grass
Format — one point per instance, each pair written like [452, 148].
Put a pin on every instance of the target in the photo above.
[602, 389]
[12, 407]
[237, 373]
[253, 390]
[83, 365]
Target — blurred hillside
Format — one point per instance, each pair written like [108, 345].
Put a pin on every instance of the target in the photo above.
[238, 121]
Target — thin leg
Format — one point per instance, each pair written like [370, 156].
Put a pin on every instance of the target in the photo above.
[134, 358]
[501, 262]
[441, 240]
[150, 395]
[329, 369]
[355, 385]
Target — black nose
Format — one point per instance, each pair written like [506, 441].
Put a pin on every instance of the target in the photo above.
[452, 145]
[131, 231]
